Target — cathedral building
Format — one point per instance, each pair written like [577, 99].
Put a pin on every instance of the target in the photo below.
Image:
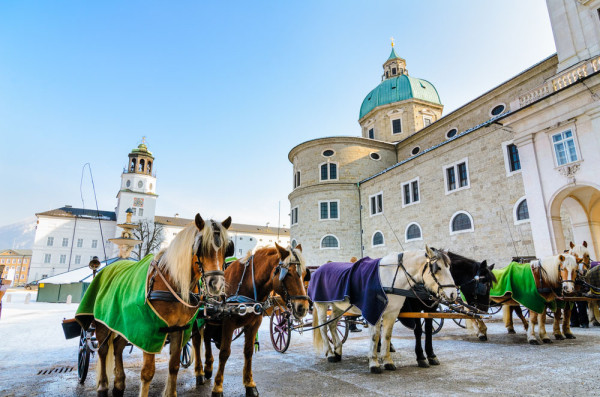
[511, 174]
[68, 238]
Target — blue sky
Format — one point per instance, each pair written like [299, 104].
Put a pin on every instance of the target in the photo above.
[222, 90]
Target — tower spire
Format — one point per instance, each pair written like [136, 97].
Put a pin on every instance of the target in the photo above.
[395, 65]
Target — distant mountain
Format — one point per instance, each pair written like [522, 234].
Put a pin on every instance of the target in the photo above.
[19, 235]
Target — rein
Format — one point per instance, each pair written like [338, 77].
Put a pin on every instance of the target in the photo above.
[167, 295]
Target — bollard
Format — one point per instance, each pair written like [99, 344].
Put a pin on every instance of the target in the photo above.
[8, 298]
[69, 298]
[27, 298]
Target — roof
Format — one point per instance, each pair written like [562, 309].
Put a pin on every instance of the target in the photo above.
[398, 89]
[16, 252]
[70, 212]
[393, 55]
[83, 274]
[235, 227]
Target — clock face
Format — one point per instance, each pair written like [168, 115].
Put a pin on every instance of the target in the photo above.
[128, 184]
[140, 184]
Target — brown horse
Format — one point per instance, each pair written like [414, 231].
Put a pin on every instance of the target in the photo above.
[197, 252]
[252, 279]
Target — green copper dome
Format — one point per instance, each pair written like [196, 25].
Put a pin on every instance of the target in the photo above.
[398, 89]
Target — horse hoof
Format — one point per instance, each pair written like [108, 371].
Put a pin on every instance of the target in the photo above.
[335, 358]
[422, 363]
[207, 374]
[534, 342]
[376, 370]
[200, 380]
[559, 337]
[215, 394]
[511, 331]
[389, 367]
[433, 360]
[570, 336]
[118, 393]
[483, 338]
[547, 340]
[251, 392]
[103, 393]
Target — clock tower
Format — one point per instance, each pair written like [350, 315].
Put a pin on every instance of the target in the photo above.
[138, 187]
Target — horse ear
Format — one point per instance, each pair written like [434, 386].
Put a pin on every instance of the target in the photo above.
[429, 252]
[561, 258]
[484, 263]
[571, 244]
[299, 247]
[226, 223]
[199, 222]
[492, 267]
[283, 253]
[585, 244]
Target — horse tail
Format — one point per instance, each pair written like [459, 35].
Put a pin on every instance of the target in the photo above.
[317, 339]
[109, 362]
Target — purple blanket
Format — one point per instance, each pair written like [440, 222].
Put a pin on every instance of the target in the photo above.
[334, 281]
[594, 264]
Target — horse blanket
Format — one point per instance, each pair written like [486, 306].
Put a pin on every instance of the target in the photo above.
[517, 279]
[592, 277]
[117, 298]
[359, 282]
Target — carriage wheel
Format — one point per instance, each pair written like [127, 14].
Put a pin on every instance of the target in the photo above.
[460, 322]
[438, 323]
[525, 311]
[281, 332]
[83, 357]
[549, 313]
[342, 330]
[186, 357]
[493, 309]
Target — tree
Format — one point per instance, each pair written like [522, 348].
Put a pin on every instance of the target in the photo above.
[151, 234]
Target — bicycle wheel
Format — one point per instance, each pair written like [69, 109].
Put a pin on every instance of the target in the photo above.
[83, 358]
[186, 357]
[281, 332]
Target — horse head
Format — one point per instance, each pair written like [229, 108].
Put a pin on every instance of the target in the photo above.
[211, 247]
[288, 279]
[436, 274]
[581, 254]
[568, 272]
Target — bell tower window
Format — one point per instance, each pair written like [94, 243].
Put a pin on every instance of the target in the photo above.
[393, 71]
[132, 166]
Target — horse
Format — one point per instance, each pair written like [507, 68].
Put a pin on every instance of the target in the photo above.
[396, 271]
[535, 286]
[474, 280]
[167, 297]
[251, 280]
[582, 257]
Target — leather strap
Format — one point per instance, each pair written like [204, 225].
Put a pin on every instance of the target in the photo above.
[175, 294]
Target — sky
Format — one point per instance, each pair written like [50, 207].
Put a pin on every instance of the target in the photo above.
[222, 91]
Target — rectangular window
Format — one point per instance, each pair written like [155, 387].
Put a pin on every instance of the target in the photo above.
[47, 258]
[296, 179]
[332, 171]
[65, 242]
[329, 210]
[564, 147]
[141, 212]
[50, 241]
[77, 259]
[376, 203]
[63, 259]
[513, 157]
[451, 177]
[371, 133]
[1, 261]
[14, 261]
[294, 215]
[396, 126]
[411, 192]
[462, 174]
[79, 242]
[457, 176]
[94, 244]
[19, 261]
[324, 172]
[134, 211]
[427, 121]
[328, 171]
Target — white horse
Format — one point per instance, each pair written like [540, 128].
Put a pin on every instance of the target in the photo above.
[429, 266]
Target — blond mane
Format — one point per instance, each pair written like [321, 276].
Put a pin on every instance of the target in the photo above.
[550, 266]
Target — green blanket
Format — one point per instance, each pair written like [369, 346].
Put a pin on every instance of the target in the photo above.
[517, 279]
[117, 298]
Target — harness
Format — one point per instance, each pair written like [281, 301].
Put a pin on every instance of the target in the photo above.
[538, 272]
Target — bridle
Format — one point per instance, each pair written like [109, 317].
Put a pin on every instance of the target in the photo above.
[283, 270]
[210, 273]
[481, 287]
[431, 262]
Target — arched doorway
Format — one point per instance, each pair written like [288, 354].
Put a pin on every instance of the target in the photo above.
[575, 213]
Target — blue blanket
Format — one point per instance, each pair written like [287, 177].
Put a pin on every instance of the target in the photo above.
[335, 281]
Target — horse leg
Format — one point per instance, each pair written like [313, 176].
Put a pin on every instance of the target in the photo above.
[197, 344]
[507, 317]
[482, 329]
[147, 374]
[421, 360]
[431, 357]
[556, 324]
[542, 324]
[521, 316]
[336, 340]
[224, 352]
[374, 333]
[533, 317]
[249, 335]
[119, 344]
[388, 326]
[103, 335]
[176, 339]
[322, 319]
[567, 322]
[208, 356]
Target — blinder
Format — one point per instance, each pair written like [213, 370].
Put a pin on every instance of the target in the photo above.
[230, 250]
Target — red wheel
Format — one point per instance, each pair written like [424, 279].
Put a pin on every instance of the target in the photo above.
[281, 332]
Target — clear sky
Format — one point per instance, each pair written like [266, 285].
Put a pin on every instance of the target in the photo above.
[222, 90]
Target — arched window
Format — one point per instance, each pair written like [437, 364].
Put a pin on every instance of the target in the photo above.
[141, 166]
[132, 166]
[330, 241]
[413, 232]
[521, 212]
[328, 171]
[461, 222]
[377, 239]
[149, 167]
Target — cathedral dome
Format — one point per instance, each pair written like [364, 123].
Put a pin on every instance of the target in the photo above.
[399, 88]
